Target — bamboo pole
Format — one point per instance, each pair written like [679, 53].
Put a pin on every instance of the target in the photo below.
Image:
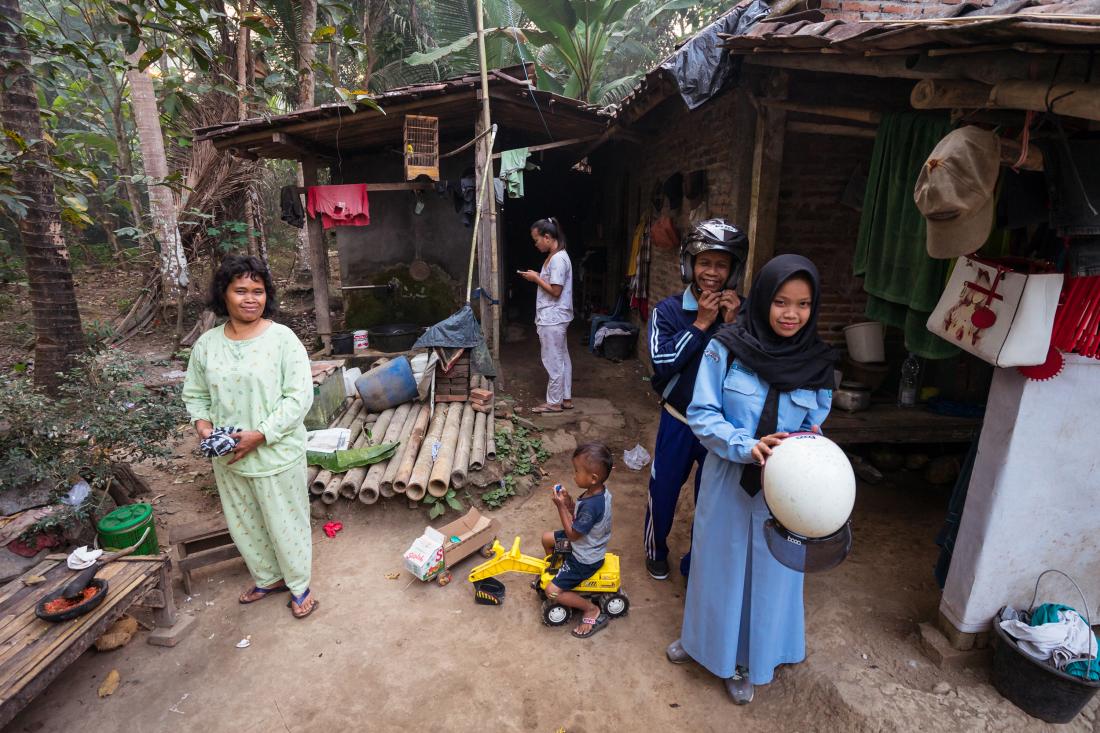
[387, 486]
[371, 486]
[332, 489]
[477, 451]
[350, 481]
[412, 450]
[1071, 99]
[461, 465]
[418, 480]
[490, 433]
[351, 414]
[378, 431]
[320, 481]
[440, 477]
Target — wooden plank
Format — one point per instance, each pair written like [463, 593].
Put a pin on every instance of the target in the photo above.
[318, 256]
[197, 530]
[767, 163]
[816, 128]
[54, 638]
[208, 557]
[892, 424]
[16, 585]
[25, 627]
[38, 676]
[559, 144]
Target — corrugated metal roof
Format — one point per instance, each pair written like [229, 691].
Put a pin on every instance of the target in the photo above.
[332, 127]
[1011, 24]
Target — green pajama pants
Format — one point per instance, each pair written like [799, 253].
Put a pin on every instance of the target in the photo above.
[268, 519]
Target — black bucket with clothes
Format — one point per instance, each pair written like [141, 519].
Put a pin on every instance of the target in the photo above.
[1034, 686]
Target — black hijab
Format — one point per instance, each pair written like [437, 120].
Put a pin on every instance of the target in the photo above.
[802, 361]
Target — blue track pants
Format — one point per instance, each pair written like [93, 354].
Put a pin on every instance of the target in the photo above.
[677, 448]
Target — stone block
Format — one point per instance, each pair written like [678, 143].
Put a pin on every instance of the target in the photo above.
[939, 650]
[171, 635]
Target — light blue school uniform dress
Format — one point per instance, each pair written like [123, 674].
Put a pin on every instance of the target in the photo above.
[743, 607]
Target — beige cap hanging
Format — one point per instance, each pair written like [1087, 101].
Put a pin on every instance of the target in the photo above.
[955, 191]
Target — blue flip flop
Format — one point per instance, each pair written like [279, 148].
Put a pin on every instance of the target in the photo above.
[297, 600]
[264, 593]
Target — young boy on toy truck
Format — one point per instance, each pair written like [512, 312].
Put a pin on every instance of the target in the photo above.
[586, 530]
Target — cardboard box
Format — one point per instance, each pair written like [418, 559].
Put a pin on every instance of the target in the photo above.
[473, 530]
[434, 550]
[424, 558]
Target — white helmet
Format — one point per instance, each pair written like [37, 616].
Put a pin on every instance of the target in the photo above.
[714, 235]
[810, 489]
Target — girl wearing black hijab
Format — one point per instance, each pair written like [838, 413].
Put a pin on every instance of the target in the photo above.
[764, 376]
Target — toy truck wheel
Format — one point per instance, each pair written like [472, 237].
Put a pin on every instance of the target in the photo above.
[487, 550]
[555, 614]
[444, 577]
[616, 605]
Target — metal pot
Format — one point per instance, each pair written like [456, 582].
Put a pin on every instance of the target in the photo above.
[852, 400]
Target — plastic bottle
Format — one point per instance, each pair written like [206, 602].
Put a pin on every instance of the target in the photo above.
[908, 386]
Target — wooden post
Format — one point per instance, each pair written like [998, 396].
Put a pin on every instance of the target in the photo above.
[165, 616]
[767, 161]
[486, 240]
[318, 253]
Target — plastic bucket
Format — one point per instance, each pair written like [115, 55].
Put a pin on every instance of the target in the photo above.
[1036, 687]
[125, 525]
[387, 385]
[360, 340]
[341, 343]
[865, 342]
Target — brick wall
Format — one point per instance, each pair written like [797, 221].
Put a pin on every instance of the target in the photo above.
[812, 221]
[868, 10]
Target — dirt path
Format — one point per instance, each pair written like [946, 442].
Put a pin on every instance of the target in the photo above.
[384, 655]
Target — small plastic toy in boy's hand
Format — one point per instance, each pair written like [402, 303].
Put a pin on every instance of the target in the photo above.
[557, 488]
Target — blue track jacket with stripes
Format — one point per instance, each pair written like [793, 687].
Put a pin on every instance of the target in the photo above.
[676, 347]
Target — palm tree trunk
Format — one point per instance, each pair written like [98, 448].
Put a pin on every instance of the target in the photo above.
[306, 53]
[162, 205]
[57, 329]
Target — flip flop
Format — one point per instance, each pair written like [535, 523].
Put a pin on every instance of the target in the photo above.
[545, 409]
[264, 593]
[565, 406]
[596, 623]
[297, 600]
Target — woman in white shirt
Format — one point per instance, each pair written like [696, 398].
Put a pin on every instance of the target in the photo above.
[553, 312]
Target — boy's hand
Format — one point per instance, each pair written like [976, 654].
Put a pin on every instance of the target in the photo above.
[561, 497]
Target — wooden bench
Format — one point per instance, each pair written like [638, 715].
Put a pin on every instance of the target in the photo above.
[887, 423]
[34, 652]
[201, 544]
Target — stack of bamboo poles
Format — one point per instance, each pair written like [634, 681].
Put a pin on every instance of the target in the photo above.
[436, 450]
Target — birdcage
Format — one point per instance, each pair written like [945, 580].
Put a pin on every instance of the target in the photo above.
[421, 147]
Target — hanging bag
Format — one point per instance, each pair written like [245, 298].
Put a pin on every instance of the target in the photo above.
[1001, 311]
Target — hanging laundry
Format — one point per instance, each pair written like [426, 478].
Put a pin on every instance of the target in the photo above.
[290, 206]
[902, 281]
[512, 165]
[339, 206]
[639, 284]
[464, 199]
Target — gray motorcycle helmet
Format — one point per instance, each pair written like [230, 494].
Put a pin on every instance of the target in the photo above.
[715, 234]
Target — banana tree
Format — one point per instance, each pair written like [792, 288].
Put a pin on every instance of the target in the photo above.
[570, 42]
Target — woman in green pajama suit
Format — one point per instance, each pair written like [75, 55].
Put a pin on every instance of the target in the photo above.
[254, 374]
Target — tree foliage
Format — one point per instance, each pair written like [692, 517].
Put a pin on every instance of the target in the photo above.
[102, 415]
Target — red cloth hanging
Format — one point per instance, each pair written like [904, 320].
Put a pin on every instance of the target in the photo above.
[339, 206]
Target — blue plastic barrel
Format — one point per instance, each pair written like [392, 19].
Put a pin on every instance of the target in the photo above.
[387, 385]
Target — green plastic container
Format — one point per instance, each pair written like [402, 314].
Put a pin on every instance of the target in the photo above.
[125, 525]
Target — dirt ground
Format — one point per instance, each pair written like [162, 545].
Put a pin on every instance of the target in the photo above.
[383, 655]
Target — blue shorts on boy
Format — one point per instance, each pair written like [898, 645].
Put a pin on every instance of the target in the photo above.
[591, 518]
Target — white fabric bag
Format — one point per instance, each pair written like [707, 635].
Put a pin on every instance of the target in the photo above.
[996, 313]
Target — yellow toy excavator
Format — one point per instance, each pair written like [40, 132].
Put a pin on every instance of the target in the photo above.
[604, 588]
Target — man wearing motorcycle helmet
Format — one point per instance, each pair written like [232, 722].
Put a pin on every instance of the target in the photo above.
[712, 259]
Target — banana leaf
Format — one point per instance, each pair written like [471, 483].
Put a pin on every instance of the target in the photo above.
[345, 460]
